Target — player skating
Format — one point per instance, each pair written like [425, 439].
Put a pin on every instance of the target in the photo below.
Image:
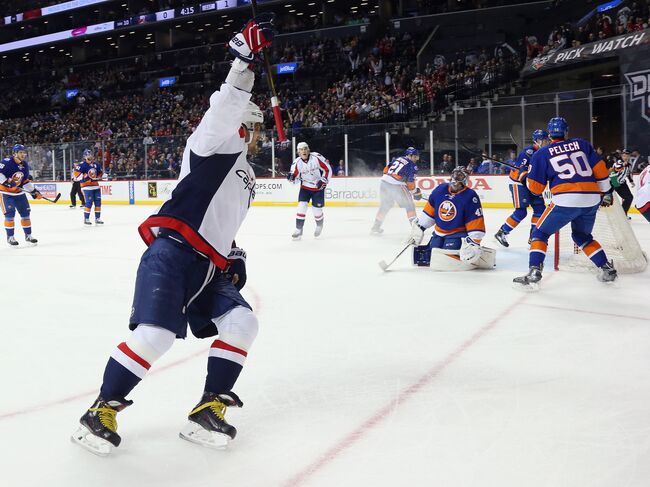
[14, 182]
[643, 193]
[521, 197]
[90, 173]
[398, 186]
[314, 172]
[455, 212]
[192, 271]
[578, 179]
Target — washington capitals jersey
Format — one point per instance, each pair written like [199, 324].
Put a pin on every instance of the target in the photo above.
[454, 213]
[216, 185]
[518, 176]
[400, 171]
[311, 171]
[643, 192]
[574, 171]
[18, 174]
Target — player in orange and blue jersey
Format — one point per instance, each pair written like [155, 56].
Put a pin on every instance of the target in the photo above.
[521, 197]
[15, 181]
[579, 182]
[398, 186]
[455, 210]
[90, 173]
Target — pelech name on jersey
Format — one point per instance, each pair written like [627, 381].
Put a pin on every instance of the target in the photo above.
[561, 149]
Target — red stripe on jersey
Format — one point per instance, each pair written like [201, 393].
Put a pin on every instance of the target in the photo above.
[324, 167]
[230, 348]
[133, 356]
[644, 208]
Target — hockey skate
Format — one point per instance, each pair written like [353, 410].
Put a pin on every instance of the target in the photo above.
[207, 425]
[607, 273]
[98, 430]
[12, 241]
[319, 229]
[376, 230]
[99, 221]
[30, 239]
[531, 280]
[72, 206]
[500, 237]
[87, 221]
[297, 234]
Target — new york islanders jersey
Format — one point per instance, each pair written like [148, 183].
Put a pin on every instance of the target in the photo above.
[518, 176]
[77, 176]
[14, 176]
[89, 173]
[456, 214]
[574, 171]
[216, 185]
[311, 171]
[401, 171]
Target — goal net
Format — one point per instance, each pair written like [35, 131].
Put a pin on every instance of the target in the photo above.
[614, 232]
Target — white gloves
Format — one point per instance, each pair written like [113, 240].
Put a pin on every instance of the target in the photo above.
[417, 233]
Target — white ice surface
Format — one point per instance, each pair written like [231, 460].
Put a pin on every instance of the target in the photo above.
[357, 378]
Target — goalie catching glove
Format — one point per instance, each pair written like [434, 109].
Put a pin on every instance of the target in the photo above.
[470, 251]
[236, 270]
[256, 35]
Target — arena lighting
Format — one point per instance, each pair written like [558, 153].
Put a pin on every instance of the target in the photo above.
[300, 13]
[292, 11]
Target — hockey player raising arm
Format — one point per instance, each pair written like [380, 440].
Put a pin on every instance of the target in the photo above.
[192, 272]
[579, 181]
[15, 181]
[455, 212]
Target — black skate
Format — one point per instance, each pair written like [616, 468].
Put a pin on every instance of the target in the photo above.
[30, 239]
[73, 206]
[607, 272]
[98, 430]
[319, 229]
[297, 234]
[376, 230]
[87, 221]
[99, 221]
[531, 280]
[12, 241]
[500, 237]
[207, 424]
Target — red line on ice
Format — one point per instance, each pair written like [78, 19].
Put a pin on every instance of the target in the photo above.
[349, 440]
[257, 305]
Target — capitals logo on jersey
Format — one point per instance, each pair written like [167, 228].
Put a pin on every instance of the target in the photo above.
[447, 211]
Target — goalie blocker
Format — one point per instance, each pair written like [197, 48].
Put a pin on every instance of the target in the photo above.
[447, 259]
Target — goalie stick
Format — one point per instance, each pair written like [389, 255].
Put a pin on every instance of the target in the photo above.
[384, 266]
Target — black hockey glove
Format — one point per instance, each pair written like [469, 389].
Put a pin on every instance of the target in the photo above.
[36, 194]
[320, 185]
[291, 177]
[236, 270]
[607, 200]
[417, 194]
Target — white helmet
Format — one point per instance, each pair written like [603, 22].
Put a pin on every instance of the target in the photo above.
[252, 116]
[302, 145]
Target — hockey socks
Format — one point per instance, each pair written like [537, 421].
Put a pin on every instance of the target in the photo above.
[225, 363]
[9, 227]
[537, 253]
[130, 361]
[595, 252]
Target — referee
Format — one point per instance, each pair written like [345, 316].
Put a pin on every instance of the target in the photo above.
[76, 187]
[620, 175]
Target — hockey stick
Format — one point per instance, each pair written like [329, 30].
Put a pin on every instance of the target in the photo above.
[275, 106]
[490, 158]
[259, 166]
[513, 140]
[56, 198]
[384, 266]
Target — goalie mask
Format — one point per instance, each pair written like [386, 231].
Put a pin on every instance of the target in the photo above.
[458, 179]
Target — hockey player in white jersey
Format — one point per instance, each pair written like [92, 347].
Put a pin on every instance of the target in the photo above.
[192, 271]
[643, 194]
[314, 172]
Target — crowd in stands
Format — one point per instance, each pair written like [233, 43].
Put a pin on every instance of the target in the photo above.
[631, 17]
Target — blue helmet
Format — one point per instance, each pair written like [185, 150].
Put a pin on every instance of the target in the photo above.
[18, 147]
[411, 151]
[539, 134]
[558, 127]
[87, 153]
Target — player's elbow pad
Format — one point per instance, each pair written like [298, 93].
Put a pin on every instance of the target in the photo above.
[240, 76]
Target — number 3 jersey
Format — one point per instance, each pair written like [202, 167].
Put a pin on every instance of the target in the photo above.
[400, 171]
[574, 171]
[458, 214]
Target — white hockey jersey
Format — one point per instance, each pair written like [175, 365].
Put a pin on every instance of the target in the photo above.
[311, 171]
[642, 200]
[216, 184]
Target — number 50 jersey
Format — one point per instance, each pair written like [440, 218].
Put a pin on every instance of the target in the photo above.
[576, 174]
